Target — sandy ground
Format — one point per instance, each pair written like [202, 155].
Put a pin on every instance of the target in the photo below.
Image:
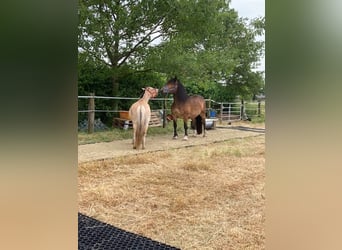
[107, 150]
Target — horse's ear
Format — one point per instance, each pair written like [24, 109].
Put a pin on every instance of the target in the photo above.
[176, 80]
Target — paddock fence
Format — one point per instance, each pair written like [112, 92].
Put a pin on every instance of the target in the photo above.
[224, 112]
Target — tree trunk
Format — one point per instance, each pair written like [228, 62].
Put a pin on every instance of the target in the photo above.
[115, 92]
[91, 114]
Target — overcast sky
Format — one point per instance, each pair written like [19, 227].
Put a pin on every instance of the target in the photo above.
[251, 9]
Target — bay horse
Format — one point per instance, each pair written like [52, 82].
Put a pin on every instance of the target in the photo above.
[185, 107]
[140, 114]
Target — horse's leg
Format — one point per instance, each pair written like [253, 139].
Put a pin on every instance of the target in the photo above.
[185, 129]
[144, 137]
[175, 135]
[133, 139]
[134, 136]
[203, 123]
[193, 126]
[143, 141]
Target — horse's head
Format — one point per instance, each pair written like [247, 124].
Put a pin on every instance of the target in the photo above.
[151, 91]
[170, 87]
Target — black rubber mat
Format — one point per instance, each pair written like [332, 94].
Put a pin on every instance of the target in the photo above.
[94, 234]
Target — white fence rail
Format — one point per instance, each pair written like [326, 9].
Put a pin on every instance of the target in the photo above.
[224, 111]
[115, 98]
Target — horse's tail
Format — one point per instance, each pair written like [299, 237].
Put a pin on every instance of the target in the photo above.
[142, 122]
[199, 124]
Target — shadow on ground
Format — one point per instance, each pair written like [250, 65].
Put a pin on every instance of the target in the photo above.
[242, 128]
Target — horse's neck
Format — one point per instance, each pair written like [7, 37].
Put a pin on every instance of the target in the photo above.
[146, 97]
[181, 97]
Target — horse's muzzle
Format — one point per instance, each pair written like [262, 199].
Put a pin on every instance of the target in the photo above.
[164, 90]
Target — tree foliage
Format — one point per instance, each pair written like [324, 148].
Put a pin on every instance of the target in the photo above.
[203, 42]
[225, 54]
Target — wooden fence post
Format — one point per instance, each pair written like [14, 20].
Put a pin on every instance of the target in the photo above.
[259, 108]
[229, 111]
[242, 110]
[221, 112]
[164, 112]
[209, 108]
[91, 113]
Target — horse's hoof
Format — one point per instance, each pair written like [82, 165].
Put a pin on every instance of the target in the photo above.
[185, 138]
[175, 137]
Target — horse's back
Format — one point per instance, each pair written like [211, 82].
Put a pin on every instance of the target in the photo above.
[140, 114]
[197, 100]
[191, 108]
[139, 109]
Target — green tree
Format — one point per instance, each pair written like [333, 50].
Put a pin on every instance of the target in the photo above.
[243, 80]
[194, 49]
[223, 52]
[117, 32]
[203, 42]
[95, 77]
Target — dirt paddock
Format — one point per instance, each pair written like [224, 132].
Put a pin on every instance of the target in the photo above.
[210, 195]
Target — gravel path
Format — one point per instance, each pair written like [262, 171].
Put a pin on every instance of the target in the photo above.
[105, 150]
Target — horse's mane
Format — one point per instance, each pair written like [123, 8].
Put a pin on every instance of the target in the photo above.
[181, 92]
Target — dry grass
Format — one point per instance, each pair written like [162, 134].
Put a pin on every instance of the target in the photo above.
[201, 197]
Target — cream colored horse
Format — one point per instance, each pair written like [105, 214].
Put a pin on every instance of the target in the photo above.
[140, 114]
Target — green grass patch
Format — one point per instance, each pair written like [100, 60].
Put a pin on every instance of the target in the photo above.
[103, 136]
[252, 112]
[258, 119]
[115, 134]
